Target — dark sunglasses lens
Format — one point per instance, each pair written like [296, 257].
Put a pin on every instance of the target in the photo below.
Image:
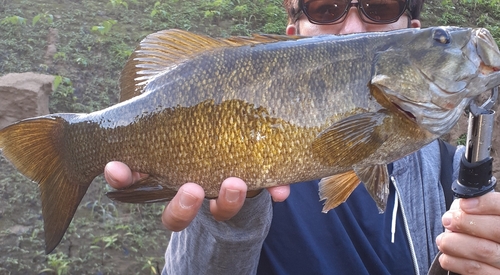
[383, 10]
[324, 11]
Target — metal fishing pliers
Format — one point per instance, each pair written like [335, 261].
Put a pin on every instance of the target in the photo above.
[475, 176]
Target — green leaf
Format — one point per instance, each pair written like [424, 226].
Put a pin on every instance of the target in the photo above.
[36, 19]
[21, 20]
[57, 81]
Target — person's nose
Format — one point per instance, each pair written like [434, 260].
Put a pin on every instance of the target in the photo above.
[352, 23]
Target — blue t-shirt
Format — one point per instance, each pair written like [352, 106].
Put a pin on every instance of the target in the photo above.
[350, 239]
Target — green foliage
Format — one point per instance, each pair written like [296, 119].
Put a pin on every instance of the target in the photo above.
[450, 15]
[221, 17]
[116, 3]
[157, 10]
[49, 18]
[249, 16]
[60, 56]
[13, 20]
[59, 263]
[122, 51]
[492, 4]
[62, 98]
[462, 139]
[106, 241]
[57, 81]
[105, 27]
[152, 266]
[466, 13]
[82, 60]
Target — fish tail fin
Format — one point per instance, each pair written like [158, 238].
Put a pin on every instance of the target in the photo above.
[33, 146]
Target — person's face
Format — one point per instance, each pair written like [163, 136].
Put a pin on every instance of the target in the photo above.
[351, 24]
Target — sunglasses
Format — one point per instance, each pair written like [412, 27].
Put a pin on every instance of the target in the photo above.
[371, 11]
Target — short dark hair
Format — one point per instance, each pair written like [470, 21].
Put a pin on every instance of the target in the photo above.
[292, 8]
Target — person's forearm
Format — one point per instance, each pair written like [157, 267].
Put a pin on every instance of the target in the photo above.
[207, 246]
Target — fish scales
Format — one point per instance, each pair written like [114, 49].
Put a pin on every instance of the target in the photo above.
[268, 109]
[275, 133]
[244, 76]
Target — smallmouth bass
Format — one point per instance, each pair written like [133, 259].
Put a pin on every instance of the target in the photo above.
[268, 109]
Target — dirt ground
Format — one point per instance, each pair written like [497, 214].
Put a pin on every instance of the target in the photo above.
[103, 238]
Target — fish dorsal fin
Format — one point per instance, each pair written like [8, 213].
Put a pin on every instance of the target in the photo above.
[159, 51]
[335, 189]
[376, 180]
[259, 39]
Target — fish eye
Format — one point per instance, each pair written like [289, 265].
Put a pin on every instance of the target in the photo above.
[441, 36]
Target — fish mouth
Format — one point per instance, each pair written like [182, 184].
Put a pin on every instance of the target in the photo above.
[487, 50]
[486, 70]
[406, 113]
[428, 115]
[395, 104]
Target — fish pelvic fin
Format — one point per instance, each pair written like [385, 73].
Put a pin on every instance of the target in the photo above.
[33, 147]
[160, 51]
[376, 180]
[335, 189]
[144, 191]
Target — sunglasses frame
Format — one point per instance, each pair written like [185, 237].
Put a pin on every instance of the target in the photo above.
[362, 14]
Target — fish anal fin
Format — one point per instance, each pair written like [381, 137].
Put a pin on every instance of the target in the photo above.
[144, 191]
[376, 180]
[161, 50]
[351, 140]
[336, 189]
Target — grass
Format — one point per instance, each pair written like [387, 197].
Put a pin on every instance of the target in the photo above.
[93, 41]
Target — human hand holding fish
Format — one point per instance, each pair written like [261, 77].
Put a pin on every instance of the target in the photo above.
[470, 243]
[183, 208]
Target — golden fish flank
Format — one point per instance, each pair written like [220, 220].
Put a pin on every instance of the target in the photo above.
[268, 109]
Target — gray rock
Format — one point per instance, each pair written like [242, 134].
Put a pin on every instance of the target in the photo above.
[24, 95]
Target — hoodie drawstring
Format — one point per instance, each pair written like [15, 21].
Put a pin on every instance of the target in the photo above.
[394, 216]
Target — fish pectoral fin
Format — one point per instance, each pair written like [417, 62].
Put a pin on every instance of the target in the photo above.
[376, 180]
[350, 140]
[146, 190]
[161, 50]
[336, 189]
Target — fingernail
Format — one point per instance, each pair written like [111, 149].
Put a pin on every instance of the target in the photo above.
[438, 240]
[232, 195]
[469, 203]
[446, 219]
[278, 195]
[440, 259]
[187, 200]
[109, 176]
